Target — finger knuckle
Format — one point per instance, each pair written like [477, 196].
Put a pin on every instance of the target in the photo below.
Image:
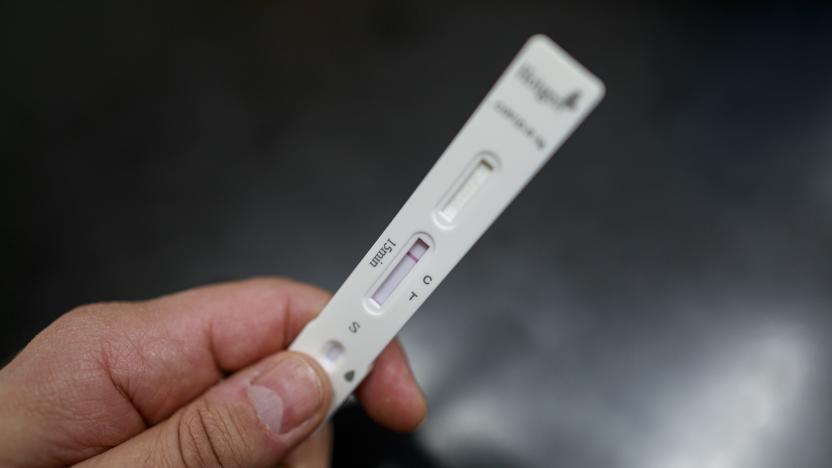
[74, 333]
[85, 319]
[210, 435]
[79, 316]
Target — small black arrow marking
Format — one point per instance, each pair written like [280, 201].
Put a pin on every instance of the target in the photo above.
[349, 376]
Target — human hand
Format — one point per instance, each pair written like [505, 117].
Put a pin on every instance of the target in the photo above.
[197, 378]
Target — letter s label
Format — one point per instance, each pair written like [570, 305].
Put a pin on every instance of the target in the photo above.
[354, 327]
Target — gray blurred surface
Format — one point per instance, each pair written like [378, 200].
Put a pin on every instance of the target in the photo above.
[659, 296]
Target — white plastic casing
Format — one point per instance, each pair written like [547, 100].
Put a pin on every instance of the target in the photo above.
[531, 110]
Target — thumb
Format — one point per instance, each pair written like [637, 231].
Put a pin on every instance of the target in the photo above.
[253, 418]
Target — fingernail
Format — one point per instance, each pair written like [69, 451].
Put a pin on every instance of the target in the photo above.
[286, 395]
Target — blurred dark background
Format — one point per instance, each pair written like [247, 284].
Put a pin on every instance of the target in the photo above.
[659, 296]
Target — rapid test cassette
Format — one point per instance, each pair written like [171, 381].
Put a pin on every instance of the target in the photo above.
[532, 109]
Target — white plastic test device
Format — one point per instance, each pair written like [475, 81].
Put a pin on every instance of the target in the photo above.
[531, 110]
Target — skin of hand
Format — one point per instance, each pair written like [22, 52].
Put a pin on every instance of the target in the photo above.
[197, 378]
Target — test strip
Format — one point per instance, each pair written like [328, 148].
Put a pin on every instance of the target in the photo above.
[532, 109]
[400, 271]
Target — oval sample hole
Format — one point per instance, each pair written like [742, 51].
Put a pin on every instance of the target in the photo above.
[332, 352]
